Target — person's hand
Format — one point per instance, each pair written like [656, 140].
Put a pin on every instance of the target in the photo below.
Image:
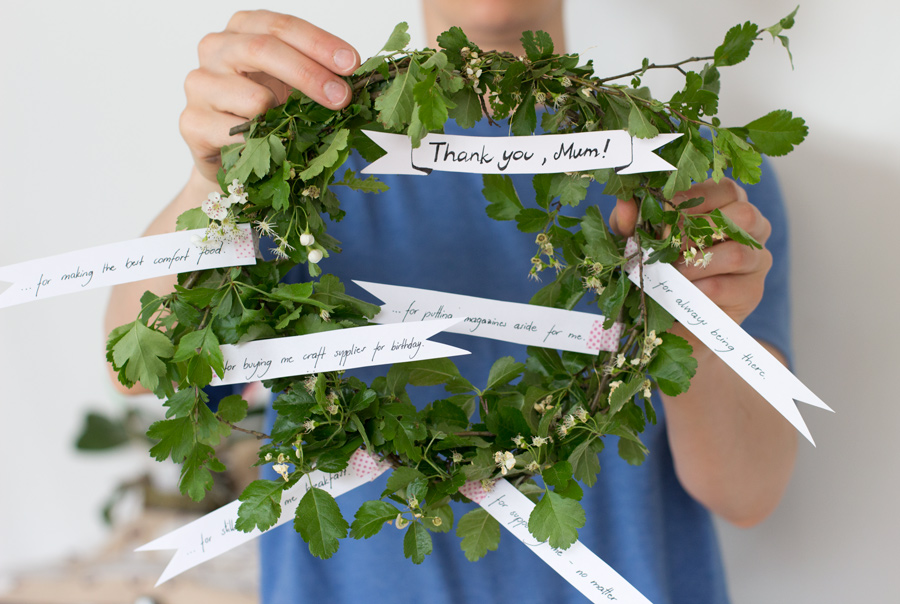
[252, 66]
[735, 276]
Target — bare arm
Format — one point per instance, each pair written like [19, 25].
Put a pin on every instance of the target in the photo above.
[733, 452]
[244, 70]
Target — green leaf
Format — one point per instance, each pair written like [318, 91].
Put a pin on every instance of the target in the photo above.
[625, 393]
[398, 39]
[501, 194]
[260, 505]
[503, 371]
[570, 188]
[532, 220]
[639, 124]
[673, 366]
[395, 105]
[538, 45]
[196, 478]
[232, 408]
[141, 351]
[599, 245]
[417, 543]
[556, 519]
[254, 159]
[368, 185]
[783, 24]
[467, 109]
[777, 132]
[101, 432]
[327, 158]
[319, 521]
[524, 120]
[745, 160]
[632, 451]
[433, 105]
[191, 219]
[692, 167]
[737, 45]
[480, 533]
[734, 231]
[585, 464]
[400, 478]
[558, 475]
[370, 518]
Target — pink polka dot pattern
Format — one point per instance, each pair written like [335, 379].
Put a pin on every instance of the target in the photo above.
[474, 491]
[604, 339]
[243, 248]
[365, 465]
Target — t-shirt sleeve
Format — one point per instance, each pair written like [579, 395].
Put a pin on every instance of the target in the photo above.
[771, 321]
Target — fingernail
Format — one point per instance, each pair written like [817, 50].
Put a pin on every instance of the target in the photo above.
[336, 92]
[343, 59]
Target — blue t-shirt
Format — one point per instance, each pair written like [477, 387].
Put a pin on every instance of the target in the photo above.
[432, 232]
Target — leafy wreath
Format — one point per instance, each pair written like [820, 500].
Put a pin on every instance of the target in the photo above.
[548, 416]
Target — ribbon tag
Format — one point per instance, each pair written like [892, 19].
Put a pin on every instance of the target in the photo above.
[540, 154]
[719, 332]
[214, 534]
[578, 565]
[525, 324]
[117, 263]
[334, 351]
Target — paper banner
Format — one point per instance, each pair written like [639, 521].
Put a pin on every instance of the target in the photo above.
[721, 334]
[334, 350]
[578, 565]
[541, 154]
[117, 263]
[507, 321]
[214, 534]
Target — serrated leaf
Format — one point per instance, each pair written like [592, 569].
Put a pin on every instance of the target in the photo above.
[319, 521]
[232, 408]
[432, 103]
[327, 158]
[254, 159]
[632, 451]
[558, 475]
[673, 366]
[196, 478]
[368, 185]
[639, 124]
[532, 220]
[480, 533]
[401, 477]
[584, 460]
[260, 505]
[398, 38]
[624, 393]
[556, 519]
[599, 245]
[141, 351]
[504, 203]
[737, 45]
[417, 543]
[776, 133]
[467, 109]
[524, 120]
[538, 45]
[692, 167]
[570, 188]
[370, 518]
[176, 437]
[396, 103]
[734, 231]
[191, 219]
[745, 160]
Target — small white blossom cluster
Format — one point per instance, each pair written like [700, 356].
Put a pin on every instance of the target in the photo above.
[472, 69]
[223, 226]
[543, 405]
[332, 407]
[281, 467]
[697, 257]
[505, 460]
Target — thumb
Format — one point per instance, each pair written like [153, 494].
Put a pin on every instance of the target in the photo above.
[623, 218]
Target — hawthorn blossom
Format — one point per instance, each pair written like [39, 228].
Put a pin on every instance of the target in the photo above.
[214, 207]
[505, 460]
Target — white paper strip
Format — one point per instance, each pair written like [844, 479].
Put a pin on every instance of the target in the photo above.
[578, 565]
[214, 534]
[507, 321]
[721, 334]
[541, 154]
[117, 263]
[334, 350]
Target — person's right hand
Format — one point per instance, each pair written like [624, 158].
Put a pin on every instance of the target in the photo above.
[251, 67]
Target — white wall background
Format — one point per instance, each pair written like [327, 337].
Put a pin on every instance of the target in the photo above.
[90, 94]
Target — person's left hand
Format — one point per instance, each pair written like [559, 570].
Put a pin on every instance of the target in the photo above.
[735, 276]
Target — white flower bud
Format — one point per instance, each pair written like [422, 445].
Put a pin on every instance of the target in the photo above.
[307, 239]
[315, 256]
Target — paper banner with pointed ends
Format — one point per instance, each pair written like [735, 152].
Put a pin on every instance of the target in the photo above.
[541, 154]
[514, 322]
[117, 263]
[578, 565]
[721, 334]
[335, 350]
[215, 533]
